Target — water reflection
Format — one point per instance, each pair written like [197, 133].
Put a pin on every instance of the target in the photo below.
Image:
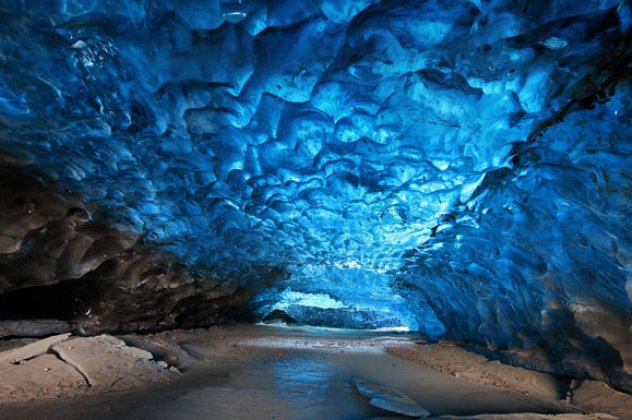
[316, 388]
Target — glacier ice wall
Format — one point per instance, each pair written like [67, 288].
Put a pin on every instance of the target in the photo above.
[460, 167]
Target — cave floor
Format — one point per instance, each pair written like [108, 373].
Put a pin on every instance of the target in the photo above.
[252, 372]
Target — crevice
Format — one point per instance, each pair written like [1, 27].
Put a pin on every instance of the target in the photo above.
[77, 367]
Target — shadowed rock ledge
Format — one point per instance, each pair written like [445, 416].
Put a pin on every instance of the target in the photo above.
[57, 262]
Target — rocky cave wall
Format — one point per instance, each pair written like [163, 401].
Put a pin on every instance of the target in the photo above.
[460, 168]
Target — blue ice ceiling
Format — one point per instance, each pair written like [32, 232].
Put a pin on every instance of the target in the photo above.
[468, 159]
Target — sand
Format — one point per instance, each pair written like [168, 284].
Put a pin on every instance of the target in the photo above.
[252, 372]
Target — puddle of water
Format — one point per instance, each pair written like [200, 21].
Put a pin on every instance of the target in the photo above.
[300, 385]
[316, 385]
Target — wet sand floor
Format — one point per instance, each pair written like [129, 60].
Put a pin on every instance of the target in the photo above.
[277, 381]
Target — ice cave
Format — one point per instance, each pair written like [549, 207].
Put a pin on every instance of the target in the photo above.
[419, 177]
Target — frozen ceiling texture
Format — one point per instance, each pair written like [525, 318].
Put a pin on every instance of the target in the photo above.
[458, 168]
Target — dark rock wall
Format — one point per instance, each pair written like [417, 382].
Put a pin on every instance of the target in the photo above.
[57, 262]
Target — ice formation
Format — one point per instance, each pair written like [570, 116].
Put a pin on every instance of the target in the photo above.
[458, 167]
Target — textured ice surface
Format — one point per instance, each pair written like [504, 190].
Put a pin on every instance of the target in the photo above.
[455, 166]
